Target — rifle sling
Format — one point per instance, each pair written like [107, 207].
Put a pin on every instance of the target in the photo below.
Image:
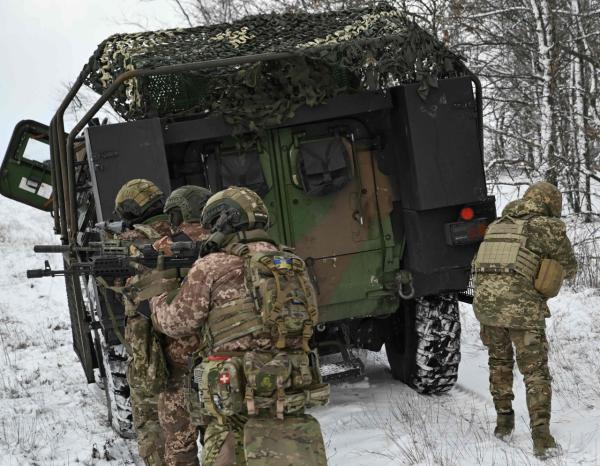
[103, 285]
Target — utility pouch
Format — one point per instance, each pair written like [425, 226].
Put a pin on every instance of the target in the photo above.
[192, 392]
[267, 377]
[147, 369]
[293, 440]
[297, 401]
[221, 386]
[283, 383]
[302, 373]
[549, 278]
[266, 372]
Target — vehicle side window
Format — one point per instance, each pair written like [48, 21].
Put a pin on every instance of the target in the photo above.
[192, 166]
[25, 174]
[324, 166]
[243, 169]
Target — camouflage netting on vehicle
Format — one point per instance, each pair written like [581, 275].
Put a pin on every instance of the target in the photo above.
[334, 52]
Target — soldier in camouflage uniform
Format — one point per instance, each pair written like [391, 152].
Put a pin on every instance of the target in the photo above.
[512, 311]
[139, 202]
[216, 282]
[184, 208]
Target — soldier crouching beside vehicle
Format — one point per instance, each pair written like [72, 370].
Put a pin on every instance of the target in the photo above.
[255, 308]
[521, 263]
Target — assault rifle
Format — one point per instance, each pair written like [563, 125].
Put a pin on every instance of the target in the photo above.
[116, 259]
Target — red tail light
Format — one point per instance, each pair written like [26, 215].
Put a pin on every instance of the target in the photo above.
[467, 213]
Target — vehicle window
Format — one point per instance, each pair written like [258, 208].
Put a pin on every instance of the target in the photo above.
[243, 169]
[37, 150]
[325, 165]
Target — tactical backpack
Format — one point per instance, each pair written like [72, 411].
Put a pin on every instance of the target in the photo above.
[280, 305]
[503, 251]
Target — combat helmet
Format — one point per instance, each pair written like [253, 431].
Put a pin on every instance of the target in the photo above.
[546, 194]
[235, 209]
[185, 204]
[138, 199]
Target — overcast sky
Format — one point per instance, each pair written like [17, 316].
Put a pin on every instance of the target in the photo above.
[44, 44]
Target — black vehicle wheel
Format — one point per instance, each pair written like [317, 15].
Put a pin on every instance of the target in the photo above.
[423, 347]
[114, 360]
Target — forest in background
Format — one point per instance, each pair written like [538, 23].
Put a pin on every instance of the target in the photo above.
[539, 64]
[538, 61]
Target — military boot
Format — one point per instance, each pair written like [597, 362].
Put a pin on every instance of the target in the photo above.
[505, 424]
[544, 445]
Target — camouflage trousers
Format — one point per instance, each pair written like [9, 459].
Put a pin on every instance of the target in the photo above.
[531, 349]
[224, 444]
[144, 405]
[180, 434]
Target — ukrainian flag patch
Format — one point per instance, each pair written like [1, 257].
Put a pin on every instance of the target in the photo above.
[282, 263]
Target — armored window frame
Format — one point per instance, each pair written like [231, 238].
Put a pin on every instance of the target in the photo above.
[313, 182]
[251, 162]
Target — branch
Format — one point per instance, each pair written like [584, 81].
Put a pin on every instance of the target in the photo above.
[183, 12]
[497, 12]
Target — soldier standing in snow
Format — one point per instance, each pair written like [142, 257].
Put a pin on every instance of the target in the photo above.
[184, 208]
[521, 263]
[255, 327]
[139, 202]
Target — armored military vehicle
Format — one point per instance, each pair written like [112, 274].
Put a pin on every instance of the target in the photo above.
[362, 132]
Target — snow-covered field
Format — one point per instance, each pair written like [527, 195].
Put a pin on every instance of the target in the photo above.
[50, 416]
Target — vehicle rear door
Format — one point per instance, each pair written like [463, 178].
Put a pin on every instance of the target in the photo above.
[331, 215]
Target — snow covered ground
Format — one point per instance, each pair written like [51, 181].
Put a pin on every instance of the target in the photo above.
[50, 416]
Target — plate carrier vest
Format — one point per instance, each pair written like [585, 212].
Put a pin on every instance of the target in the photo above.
[503, 250]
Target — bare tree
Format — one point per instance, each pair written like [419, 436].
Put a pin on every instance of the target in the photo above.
[538, 61]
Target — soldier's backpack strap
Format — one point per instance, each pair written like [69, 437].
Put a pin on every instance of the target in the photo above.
[237, 249]
[103, 286]
[147, 231]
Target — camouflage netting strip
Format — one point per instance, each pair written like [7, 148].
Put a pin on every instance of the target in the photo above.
[372, 48]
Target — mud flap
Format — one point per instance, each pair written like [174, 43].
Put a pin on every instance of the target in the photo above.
[293, 440]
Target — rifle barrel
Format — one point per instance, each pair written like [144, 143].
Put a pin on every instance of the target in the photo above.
[40, 273]
[51, 248]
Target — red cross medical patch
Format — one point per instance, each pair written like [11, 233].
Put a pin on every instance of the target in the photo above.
[224, 378]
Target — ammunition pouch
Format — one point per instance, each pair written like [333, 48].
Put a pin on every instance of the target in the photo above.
[193, 393]
[255, 382]
[549, 278]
